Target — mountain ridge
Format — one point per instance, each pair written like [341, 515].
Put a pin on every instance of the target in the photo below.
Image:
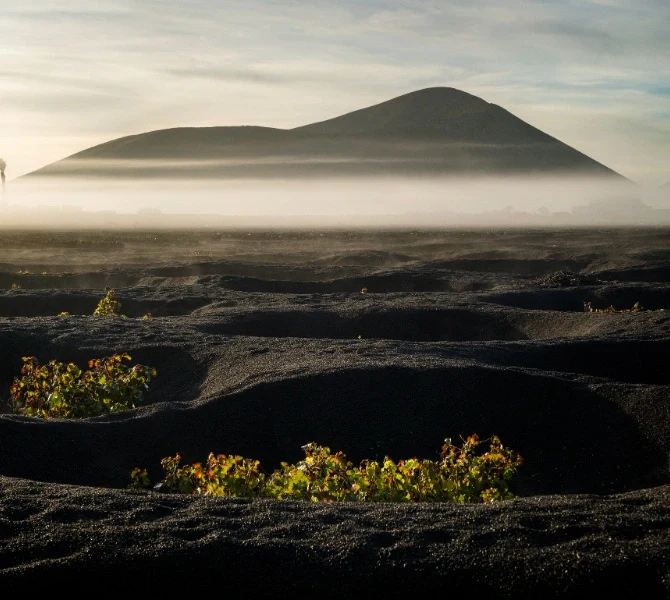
[433, 131]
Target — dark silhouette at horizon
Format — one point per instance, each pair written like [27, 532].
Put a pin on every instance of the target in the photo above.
[435, 131]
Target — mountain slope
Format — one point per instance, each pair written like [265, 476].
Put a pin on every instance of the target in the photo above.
[435, 131]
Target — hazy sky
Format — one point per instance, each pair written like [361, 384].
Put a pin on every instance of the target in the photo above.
[75, 73]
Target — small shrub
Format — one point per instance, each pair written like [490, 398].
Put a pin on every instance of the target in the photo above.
[139, 479]
[57, 390]
[109, 306]
[637, 307]
[461, 475]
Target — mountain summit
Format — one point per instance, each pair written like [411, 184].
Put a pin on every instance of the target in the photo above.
[434, 131]
[424, 112]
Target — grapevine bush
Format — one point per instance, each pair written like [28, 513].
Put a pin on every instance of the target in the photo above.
[58, 390]
[637, 307]
[109, 306]
[461, 475]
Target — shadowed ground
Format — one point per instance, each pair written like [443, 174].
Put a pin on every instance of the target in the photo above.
[265, 342]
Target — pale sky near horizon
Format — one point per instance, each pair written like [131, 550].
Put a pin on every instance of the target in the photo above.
[593, 73]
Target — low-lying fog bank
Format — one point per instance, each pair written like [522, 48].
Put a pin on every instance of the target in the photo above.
[439, 202]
